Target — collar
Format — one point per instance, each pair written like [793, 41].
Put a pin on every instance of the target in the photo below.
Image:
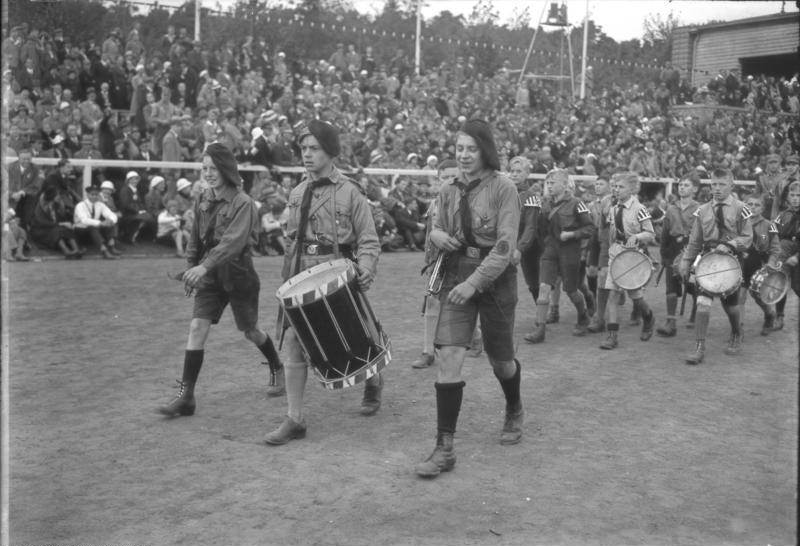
[227, 193]
[728, 201]
[628, 203]
[335, 176]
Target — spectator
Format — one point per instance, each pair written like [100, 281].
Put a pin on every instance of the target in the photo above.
[135, 220]
[95, 222]
[49, 227]
[15, 239]
[272, 237]
[172, 229]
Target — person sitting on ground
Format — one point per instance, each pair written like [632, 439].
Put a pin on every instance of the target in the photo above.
[94, 221]
[48, 229]
[172, 229]
[272, 236]
[107, 191]
[16, 239]
[154, 200]
[135, 218]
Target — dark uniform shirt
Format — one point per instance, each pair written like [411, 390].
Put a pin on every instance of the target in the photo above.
[234, 231]
[495, 223]
[567, 214]
[337, 210]
[530, 225]
[678, 221]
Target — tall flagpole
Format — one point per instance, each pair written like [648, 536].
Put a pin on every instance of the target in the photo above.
[196, 19]
[583, 57]
[419, 28]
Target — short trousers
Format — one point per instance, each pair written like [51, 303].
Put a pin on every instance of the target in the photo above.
[562, 262]
[211, 299]
[495, 307]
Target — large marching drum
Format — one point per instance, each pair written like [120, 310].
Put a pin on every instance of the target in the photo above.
[334, 324]
[631, 269]
[718, 273]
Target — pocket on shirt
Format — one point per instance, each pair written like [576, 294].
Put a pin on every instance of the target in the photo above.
[344, 223]
[484, 224]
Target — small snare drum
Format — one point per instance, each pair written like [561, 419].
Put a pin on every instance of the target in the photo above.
[769, 285]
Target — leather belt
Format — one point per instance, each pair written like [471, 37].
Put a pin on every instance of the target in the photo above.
[316, 249]
[475, 251]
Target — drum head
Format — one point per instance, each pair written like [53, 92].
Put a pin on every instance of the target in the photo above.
[631, 269]
[769, 285]
[311, 284]
[718, 273]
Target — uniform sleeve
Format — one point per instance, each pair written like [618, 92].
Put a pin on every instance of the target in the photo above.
[529, 220]
[744, 227]
[499, 258]
[193, 244]
[236, 235]
[695, 243]
[584, 219]
[368, 245]
[646, 225]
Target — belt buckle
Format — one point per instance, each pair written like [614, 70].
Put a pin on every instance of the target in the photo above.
[312, 250]
[472, 252]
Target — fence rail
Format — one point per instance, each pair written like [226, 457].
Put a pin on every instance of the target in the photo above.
[89, 164]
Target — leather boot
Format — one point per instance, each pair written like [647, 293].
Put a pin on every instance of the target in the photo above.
[697, 356]
[183, 404]
[591, 306]
[443, 458]
[611, 341]
[537, 336]
[424, 361]
[277, 382]
[778, 325]
[288, 430]
[582, 327]
[647, 326]
[512, 427]
[668, 330]
[769, 324]
[636, 318]
[371, 402]
[734, 344]
[552, 316]
[596, 325]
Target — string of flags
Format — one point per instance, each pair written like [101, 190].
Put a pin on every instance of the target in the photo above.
[297, 20]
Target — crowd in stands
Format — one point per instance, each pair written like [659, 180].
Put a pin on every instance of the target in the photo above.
[116, 100]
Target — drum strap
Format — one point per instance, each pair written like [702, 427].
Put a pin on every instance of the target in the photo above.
[305, 206]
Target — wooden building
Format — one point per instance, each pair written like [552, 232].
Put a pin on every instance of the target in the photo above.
[769, 44]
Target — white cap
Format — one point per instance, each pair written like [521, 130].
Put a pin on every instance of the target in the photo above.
[256, 132]
[130, 175]
[182, 184]
[107, 185]
[58, 139]
[398, 127]
[155, 181]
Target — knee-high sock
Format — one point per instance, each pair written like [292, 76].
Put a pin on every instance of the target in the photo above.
[641, 308]
[448, 405]
[510, 386]
[192, 362]
[602, 302]
[672, 305]
[579, 302]
[780, 306]
[701, 323]
[268, 350]
[296, 374]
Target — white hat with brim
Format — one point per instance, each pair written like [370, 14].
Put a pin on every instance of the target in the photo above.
[131, 174]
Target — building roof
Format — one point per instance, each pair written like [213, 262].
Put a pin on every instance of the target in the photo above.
[776, 17]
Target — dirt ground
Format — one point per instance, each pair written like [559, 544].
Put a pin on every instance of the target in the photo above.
[623, 447]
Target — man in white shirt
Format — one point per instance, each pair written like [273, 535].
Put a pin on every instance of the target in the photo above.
[94, 220]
